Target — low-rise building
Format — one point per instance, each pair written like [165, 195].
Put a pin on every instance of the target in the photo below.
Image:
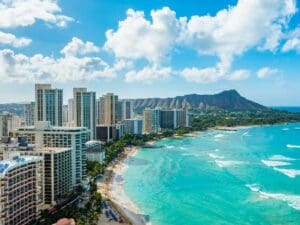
[105, 133]
[94, 151]
[8, 123]
[119, 131]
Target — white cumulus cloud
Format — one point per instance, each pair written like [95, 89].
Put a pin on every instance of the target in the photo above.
[239, 75]
[148, 74]
[21, 13]
[266, 72]
[293, 41]
[235, 30]
[78, 47]
[16, 13]
[22, 68]
[137, 37]
[206, 75]
[10, 39]
[212, 74]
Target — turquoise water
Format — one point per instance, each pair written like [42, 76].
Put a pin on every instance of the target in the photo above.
[251, 176]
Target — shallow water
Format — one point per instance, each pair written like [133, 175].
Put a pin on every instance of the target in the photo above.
[251, 176]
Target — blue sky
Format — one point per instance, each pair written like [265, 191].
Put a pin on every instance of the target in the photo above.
[153, 49]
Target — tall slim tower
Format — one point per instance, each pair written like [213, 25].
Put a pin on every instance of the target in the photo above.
[151, 120]
[29, 113]
[70, 110]
[48, 104]
[84, 110]
[108, 105]
[127, 109]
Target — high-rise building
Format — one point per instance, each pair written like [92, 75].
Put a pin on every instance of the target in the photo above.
[119, 111]
[126, 109]
[45, 135]
[101, 110]
[133, 126]
[57, 168]
[151, 120]
[182, 118]
[20, 183]
[155, 120]
[70, 111]
[29, 113]
[167, 119]
[65, 115]
[57, 173]
[107, 107]
[49, 104]
[84, 109]
[8, 123]
[173, 119]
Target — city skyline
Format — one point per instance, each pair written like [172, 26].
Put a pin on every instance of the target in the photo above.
[198, 47]
[149, 112]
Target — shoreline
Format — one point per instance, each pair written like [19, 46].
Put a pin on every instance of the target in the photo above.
[117, 194]
[112, 187]
[226, 128]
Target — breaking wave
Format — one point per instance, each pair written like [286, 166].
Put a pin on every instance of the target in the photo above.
[292, 200]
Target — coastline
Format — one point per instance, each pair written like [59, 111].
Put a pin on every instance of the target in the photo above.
[226, 128]
[112, 188]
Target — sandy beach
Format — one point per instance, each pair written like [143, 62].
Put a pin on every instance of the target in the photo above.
[111, 185]
[111, 188]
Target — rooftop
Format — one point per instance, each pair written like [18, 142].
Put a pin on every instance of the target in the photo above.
[9, 164]
[14, 146]
[33, 128]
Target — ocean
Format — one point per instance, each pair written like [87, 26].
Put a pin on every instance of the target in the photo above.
[248, 176]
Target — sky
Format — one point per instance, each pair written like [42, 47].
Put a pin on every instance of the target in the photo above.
[154, 48]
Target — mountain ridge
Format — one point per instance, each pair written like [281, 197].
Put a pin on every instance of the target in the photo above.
[227, 100]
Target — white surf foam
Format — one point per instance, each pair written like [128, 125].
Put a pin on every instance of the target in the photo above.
[246, 134]
[292, 146]
[292, 200]
[297, 128]
[227, 163]
[280, 158]
[253, 187]
[215, 156]
[272, 163]
[285, 129]
[292, 173]
[170, 146]
[217, 136]
[190, 154]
